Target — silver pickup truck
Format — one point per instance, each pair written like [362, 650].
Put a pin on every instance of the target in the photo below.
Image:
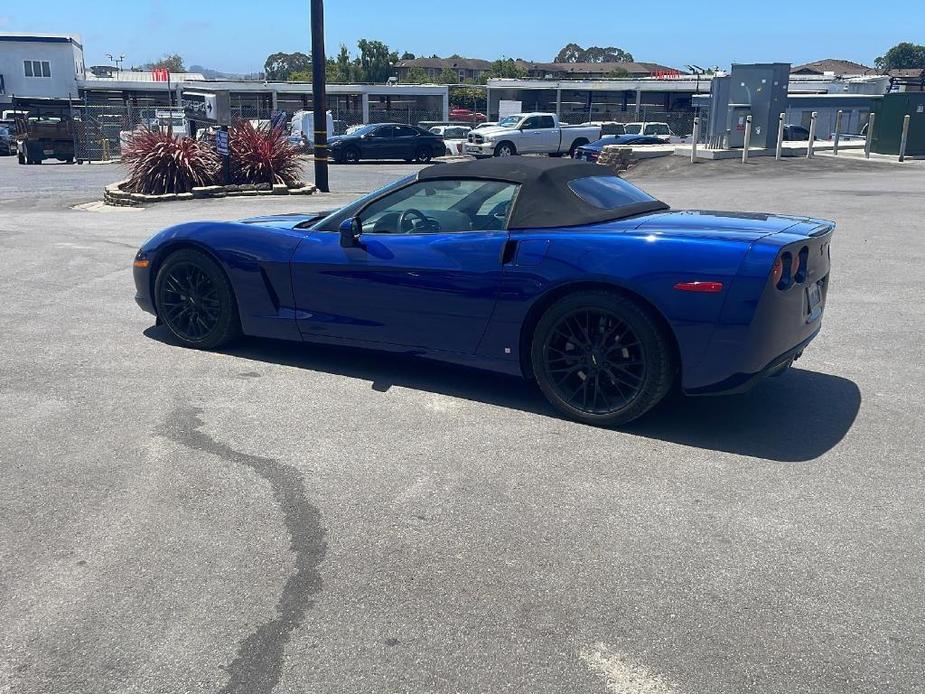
[529, 133]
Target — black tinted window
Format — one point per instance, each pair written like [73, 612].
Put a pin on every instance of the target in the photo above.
[547, 122]
[385, 131]
[405, 131]
[607, 192]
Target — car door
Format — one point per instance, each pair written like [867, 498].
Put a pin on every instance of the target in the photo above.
[549, 135]
[424, 274]
[379, 144]
[531, 137]
[405, 142]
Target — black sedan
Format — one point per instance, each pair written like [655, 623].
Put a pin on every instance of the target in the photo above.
[592, 151]
[387, 141]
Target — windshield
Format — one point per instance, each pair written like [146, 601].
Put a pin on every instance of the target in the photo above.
[333, 221]
[508, 121]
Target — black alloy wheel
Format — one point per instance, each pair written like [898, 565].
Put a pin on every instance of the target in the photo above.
[422, 155]
[195, 301]
[351, 155]
[600, 358]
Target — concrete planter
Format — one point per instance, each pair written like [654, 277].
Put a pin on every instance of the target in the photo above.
[114, 195]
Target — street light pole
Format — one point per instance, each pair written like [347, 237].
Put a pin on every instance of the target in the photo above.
[319, 100]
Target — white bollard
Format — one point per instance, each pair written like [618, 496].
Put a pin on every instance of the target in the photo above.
[870, 135]
[748, 138]
[695, 137]
[780, 137]
[837, 133]
[905, 137]
[812, 135]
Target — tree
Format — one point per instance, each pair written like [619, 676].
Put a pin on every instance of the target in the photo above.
[407, 56]
[505, 68]
[300, 76]
[448, 76]
[573, 53]
[173, 63]
[416, 75]
[902, 56]
[570, 53]
[467, 97]
[341, 69]
[616, 73]
[281, 66]
[375, 61]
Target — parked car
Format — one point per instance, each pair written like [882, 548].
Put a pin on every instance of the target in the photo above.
[387, 141]
[454, 137]
[7, 143]
[795, 133]
[592, 151]
[608, 127]
[466, 115]
[657, 128]
[488, 264]
[530, 133]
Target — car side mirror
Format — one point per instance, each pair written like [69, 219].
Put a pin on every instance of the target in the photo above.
[350, 231]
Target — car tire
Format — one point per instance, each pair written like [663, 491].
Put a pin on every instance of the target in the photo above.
[351, 155]
[580, 142]
[607, 337]
[422, 155]
[505, 149]
[21, 158]
[195, 300]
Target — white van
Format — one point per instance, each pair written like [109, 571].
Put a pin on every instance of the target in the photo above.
[302, 128]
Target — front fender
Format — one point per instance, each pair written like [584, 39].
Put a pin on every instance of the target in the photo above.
[256, 261]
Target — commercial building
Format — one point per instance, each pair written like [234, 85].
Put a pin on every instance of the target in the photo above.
[39, 66]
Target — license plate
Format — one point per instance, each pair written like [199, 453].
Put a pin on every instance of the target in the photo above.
[813, 296]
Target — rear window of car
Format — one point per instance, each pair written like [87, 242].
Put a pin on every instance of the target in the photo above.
[607, 192]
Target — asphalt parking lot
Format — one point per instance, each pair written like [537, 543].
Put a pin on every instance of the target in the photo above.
[289, 518]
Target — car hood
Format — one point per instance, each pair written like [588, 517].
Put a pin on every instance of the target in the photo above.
[288, 221]
[742, 226]
[491, 131]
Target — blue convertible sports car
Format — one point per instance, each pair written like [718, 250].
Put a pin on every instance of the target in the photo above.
[555, 270]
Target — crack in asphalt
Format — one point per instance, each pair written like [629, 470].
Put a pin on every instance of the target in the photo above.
[257, 666]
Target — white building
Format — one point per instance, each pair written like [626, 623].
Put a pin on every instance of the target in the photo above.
[39, 66]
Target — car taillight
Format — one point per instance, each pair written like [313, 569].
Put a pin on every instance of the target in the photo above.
[777, 271]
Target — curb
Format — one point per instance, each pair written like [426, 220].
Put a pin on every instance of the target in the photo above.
[114, 195]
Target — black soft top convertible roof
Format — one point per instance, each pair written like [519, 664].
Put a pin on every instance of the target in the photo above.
[545, 199]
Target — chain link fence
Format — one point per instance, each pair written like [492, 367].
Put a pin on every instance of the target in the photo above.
[680, 122]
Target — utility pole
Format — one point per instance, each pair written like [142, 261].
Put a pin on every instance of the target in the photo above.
[319, 100]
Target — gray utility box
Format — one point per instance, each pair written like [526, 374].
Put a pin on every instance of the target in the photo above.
[758, 90]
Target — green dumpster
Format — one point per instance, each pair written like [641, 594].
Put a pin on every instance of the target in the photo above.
[888, 128]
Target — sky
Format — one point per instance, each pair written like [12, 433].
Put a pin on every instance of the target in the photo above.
[237, 36]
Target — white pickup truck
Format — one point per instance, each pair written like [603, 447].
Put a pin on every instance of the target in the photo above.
[529, 133]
